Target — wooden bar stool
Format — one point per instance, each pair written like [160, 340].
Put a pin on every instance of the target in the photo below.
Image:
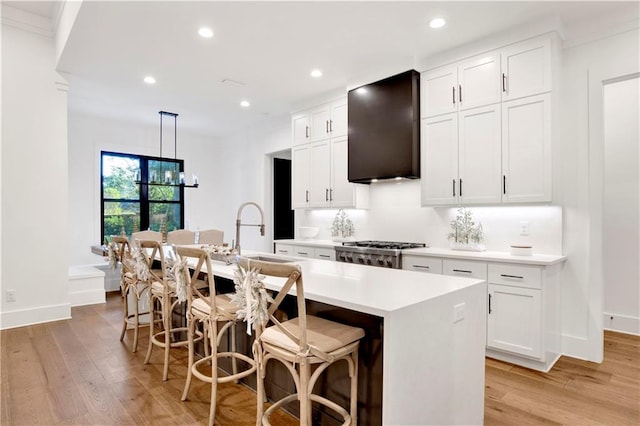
[299, 344]
[210, 310]
[163, 293]
[134, 281]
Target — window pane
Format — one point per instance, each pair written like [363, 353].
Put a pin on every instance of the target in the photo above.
[118, 177]
[164, 172]
[119, 216]
[168, 213]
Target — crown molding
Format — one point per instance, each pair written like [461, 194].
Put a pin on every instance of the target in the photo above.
[26, 21]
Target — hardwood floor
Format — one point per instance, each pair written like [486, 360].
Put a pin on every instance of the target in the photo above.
[77, 372]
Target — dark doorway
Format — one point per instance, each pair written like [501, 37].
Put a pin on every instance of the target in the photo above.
[282, 213]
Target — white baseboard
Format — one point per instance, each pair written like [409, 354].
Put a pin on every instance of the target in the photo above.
[621, 323]
[31, 316]
[87, 297]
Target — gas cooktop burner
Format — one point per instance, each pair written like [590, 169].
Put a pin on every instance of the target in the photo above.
[390, 245]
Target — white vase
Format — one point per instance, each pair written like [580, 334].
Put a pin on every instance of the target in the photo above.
[466, 246]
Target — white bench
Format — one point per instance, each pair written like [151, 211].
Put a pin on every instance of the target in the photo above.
[86, 285]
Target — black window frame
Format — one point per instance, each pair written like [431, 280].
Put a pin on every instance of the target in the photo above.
[144, 188]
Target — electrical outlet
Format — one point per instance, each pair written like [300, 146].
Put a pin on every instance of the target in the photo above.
[458, 312]
[524, 228]
[11, 295]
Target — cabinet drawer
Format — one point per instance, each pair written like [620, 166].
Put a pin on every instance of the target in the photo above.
[465, 268]
[304, 251]
[515, 275]
[284, 249]
[325, 253]
[422, 264]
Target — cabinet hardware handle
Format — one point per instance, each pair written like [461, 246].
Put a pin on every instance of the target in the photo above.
[326, 194]
[324, 255]
[303, 253]
[489, 302]
[511, 276]
[461, 187]
[283, 251]
[421, 266]
[306, 131]
[504, 82]
[307, 195]
[460, 92]
[327, 125]
[454, 187]
[462, 270]
[331, 125]
[504, 184]
[454, 94]
[331, 194]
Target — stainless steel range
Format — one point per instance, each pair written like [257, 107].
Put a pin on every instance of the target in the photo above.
[386, 254]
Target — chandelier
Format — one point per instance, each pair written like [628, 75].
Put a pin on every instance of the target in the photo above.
[167, 177]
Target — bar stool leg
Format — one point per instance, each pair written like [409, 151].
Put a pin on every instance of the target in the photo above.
[190, 332]
[354, 389]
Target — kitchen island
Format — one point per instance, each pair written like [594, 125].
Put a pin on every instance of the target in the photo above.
[432, 334]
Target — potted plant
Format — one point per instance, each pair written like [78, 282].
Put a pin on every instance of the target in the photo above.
[342, 227]
[465, 234]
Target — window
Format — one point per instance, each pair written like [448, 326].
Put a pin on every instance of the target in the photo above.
[154, 203]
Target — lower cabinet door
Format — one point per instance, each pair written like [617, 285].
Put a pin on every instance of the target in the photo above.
[514, 321]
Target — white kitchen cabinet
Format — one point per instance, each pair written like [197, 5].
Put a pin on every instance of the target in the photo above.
[526, 69]
[514, 320]
[467, 84]
[461, 157]
[300, 176]
[284, 249]
[319, 168]
[422, 264]
[300, 128]
[526, 149]
[465, 268]
[325, 253]
[304, 251]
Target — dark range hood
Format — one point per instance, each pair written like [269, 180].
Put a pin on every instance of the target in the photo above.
[384, 129]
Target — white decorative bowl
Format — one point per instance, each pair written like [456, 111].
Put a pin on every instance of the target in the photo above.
[307, 232]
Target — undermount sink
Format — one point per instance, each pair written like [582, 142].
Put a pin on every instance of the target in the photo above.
[271, 259]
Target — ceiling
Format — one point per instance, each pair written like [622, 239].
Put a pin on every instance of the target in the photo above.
[270, 47]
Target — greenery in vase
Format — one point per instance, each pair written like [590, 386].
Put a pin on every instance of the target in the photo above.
[464, 229]
[342, 225]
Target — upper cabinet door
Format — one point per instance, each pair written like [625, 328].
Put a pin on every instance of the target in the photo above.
[526, 69]
[300, 176]
[342, 191]
[300, 127]
[320, 121]
[439, 160]
[479, 82]
[438, 91]
[338, 121]
[320, 174]
[526, 149]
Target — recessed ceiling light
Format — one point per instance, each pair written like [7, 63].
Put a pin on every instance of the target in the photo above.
[205, 32]
[316, 73]
[437, 22]
[149, 80]
[245, 104]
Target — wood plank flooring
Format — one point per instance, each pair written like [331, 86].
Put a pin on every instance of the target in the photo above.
[77, 372]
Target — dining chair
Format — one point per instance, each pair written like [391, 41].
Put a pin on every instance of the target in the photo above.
[299, 344]
[163, 294]
[211, 236]
[146, 235]
[134, 285]
[181, 237]
[210, 310]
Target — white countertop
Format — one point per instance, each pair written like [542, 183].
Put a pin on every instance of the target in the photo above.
[376, 291]
[496, 256]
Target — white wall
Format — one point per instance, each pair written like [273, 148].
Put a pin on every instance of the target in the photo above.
[205, 207]
[581, 142]
[621, 231]
[395, 214]
[34, 259]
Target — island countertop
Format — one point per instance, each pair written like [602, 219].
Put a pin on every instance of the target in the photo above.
[372, 290]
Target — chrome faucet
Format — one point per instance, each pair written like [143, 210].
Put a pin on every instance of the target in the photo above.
[239, 222]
